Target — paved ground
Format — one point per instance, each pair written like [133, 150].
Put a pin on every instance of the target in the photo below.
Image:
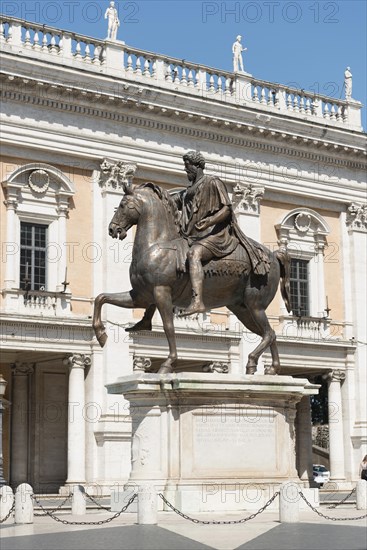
[174, 533]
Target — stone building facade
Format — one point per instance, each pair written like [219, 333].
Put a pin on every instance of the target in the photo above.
[294, 164]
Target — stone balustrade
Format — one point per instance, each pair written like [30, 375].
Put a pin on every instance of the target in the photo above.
[114, 57]
[37, 302]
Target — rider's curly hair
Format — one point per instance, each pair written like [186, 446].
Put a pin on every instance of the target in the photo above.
[195, 158]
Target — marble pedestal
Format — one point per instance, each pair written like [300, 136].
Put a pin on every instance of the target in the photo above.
[213, 441]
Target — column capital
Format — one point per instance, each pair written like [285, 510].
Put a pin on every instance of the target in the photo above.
[11, 203]
[115, 175]
[335, 376]
[357, 217]
[248, 198]
[22, 369]
[78, 361]
[141, 363]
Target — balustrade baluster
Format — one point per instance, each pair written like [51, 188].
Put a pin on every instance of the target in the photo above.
[176, 79]
[184, 77]
[45, 42]
[169, 73]
[53, 48]
[308, 106]
[154, 69]
[255, 96]
[87, 57]
[146, 71]
[191, 83]
[219, 85]
[36, 41]
[289, 102]
[270, 98]
[339, 114]
[61, 44]
[263, 96]
[326, 111]
[78, 50]
[227, 91]
[27, 39]
[295, 104]
[332, 112]
[103, 55]
[197, 80]
[138, 71]
[211, 84]
[97, 54]
[129, 66]
[10, 33]
[302, 105]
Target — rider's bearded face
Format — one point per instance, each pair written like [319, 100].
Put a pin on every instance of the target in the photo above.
[191, 170]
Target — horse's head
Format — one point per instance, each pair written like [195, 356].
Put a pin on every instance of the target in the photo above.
[126, 215]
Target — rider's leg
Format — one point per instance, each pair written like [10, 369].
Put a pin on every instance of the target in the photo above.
[196, 255]
[146, 322]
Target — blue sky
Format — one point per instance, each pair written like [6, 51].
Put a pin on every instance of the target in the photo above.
[304, 43]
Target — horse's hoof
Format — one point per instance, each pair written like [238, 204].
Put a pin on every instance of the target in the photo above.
[165, 370]
[250, 370]
[102, 339]
[270, 370]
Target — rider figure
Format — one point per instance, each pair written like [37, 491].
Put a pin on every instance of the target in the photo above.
[209, 225]
[205, 223]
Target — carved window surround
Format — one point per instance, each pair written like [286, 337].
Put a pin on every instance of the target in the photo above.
[36, 193]
[303, 232]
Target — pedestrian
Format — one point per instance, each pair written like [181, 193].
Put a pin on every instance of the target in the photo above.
[363, 469]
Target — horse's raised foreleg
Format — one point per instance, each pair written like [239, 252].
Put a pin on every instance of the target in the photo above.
[120, 299]
[163, 300]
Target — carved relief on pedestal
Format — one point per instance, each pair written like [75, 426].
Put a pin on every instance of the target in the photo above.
[357, 216]
[140, 445]
[114, 175]
[247, 198]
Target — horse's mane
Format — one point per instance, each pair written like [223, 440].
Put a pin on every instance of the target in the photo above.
[167, 200]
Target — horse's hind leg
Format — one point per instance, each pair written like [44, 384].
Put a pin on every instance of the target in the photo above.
[120, 299]
[257, 321]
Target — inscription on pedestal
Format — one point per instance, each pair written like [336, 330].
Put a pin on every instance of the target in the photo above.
[235, 443]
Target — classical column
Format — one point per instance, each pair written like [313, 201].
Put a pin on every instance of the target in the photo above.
[11, 248]
[304, 439]
[76, 420]
[20, 414]
[336, 440]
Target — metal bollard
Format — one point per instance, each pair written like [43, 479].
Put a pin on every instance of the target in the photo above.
[23, 504]
[289, 503]
[361, 494]
[147, 505]
[78, 502]
[6, 500]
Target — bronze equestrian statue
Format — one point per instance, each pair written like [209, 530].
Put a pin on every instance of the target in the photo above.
[193, 237]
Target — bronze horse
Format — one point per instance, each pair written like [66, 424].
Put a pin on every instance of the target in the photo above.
[159, 278]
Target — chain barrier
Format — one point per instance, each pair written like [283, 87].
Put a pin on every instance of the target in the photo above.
[342, 501]
[329, 517]
[54, 510]
[101, 522]
[207, 522]
[86, 496]
[8, 514]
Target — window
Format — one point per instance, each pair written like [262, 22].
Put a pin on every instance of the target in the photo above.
[299, 287]
[33, 240]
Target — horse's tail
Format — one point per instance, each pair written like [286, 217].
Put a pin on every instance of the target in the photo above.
[285, 271]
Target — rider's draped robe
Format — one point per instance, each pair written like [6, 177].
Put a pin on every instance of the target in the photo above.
[204, 198]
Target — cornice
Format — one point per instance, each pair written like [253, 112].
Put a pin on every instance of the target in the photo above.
[113, 108]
